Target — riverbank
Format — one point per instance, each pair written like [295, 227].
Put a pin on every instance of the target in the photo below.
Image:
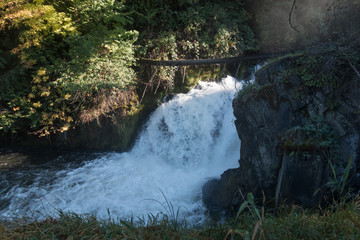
[339, 221]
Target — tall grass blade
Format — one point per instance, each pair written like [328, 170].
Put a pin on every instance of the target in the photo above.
[346, 174]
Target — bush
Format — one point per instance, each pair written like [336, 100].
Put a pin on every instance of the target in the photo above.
[65, 49]
[67, 59]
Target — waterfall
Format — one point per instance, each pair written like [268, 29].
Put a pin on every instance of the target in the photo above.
[185, 142]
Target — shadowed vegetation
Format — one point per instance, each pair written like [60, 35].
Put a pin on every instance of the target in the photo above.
[339, 221]
[69, 62]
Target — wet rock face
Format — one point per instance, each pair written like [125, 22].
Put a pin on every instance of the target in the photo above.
[265, 112]
[220, 195]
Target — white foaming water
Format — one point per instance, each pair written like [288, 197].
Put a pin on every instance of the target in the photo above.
[185, 142]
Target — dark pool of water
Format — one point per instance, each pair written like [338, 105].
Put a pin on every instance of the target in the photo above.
[23, 167]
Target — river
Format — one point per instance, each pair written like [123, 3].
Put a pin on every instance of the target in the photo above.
[185, 142]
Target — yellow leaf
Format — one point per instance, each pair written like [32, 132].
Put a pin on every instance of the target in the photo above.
[41, 72]
[45, 93]
[37, 104]
[37, 80]
[31, 95]
[67, 96]
[65, 128]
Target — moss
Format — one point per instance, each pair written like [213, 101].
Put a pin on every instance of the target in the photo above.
[266, 92]
[329, 65]
[312, 136]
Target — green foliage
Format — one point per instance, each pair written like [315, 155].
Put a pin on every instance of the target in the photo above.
[109, 66]
[248, 209]
[313, 135]
[311, 74]
[198, 29]
[329, 65]
[171, 30]
[339, 221]
[338, 183]
[68, 52]
[250, 204]
[42, 30]
[317, 136]
[70, 61]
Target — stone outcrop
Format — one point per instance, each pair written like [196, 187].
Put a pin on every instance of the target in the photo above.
[285, 151]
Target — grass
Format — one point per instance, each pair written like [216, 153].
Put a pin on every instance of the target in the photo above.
[74, 226]
[338, 221]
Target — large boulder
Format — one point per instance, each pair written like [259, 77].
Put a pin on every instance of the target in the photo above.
[294, 138]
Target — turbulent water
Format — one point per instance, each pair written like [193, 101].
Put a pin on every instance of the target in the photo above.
[186, 141]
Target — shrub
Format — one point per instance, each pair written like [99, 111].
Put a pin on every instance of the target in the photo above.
[66, 49]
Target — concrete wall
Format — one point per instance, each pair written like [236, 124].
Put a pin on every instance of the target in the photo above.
[314, 21]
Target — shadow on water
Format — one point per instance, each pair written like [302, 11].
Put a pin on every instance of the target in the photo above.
[20, 158]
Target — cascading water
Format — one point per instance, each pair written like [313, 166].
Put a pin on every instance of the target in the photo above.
[187, 140]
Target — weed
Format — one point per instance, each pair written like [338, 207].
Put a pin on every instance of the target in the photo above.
[338, 184]
[291, 222]
[316, 134]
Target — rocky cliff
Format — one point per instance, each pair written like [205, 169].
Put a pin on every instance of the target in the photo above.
[298, 134]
